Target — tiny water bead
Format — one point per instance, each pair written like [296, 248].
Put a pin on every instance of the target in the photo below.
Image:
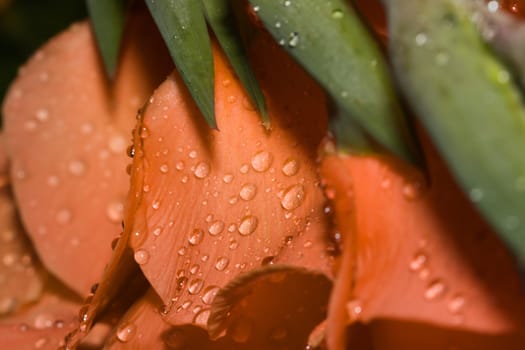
[293, 39]
[435, 290]
[418, 261]
[216, 227]
[209, 293]
[222, 263]
[77, 167]
[141, 256]
[126, 332]
[456, 304]
[164, 168]
[64, 216]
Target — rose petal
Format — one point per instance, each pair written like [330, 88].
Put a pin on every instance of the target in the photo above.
[208, 204]
[67, 130]
[423, 253]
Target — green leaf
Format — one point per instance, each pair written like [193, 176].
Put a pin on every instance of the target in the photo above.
[107, 18]
[222, 22]
[469, 103]
[183, 27]
[330, 42]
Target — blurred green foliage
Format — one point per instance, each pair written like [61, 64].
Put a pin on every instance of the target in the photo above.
[27, 24]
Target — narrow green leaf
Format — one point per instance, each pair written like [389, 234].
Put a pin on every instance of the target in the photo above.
[222, 22]
[468, 102]
[107, 18]
[331, 43]
[183, 27]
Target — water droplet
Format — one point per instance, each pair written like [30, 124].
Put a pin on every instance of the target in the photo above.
[277, 24]
[117, 144]
[293, 39]
[77, 167]
[216, 227]
[421, 39]
[141, 256]
[418, 262]
[192, 154]
[456, 304]
[493, 6]
[248, 225]
[228, 178]
[144, 132]
[208, 294]
[412, 190]
[196, 237]
[202, 170]
[179, 165]
[222, 263]
[290, 167]
[181, 282]
[268, 260]
[40, 343]
[435, 290]
[115, 211]
[53, 181]
[233, 244]
[42, 114]
[256, 8]
[337, 14]
[248, 191]
[240, 330]
[287, 3]
[126, 332]
[293, 197]
[201, 318]
[261, 161]
[164, 168]
[64, 216]
[195, 286]
[155, 205]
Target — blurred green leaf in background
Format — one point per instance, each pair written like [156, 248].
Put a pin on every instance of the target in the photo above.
[27, 24]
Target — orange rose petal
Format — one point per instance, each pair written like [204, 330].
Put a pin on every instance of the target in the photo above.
[271, 307]
[423, 253]
[141, 327]
[67, 129]
[211, 204]
[21, 277]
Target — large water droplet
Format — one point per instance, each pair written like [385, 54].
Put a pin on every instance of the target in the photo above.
[216, 227]
[222, 263]
[141, 256]
[196, 236]
[208, 294]
[435, 290]
[261, 161]
[195, 286]
[293, 197]
[126, 332]
[248, 192]
[202, 170]
[248, 225]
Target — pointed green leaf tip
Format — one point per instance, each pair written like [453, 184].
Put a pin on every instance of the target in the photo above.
[470, 104]
[107, 18]
[183, 27]
[330, 42]
[221, 20]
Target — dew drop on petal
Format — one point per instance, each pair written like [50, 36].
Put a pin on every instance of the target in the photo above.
[248, 192]
[164, 168]
[126, 332]
[435, 290]
[201, 318]
[141, 256]
[222, 263]
[418, 261]
[77, 167]
[261, 161]
[202, 170]
[196, 237]
[228, 178]
[208, 294]
[248, 225]
[117, 144]
[216, 227]
[456, 304]
[115, 211]
[290, 167]
[293, 197]
[64, 216]
[195, 286]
